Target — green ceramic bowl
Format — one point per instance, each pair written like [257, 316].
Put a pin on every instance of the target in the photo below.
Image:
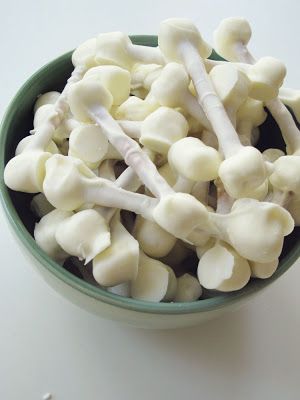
[16, 124]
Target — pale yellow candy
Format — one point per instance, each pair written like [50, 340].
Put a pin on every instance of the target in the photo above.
[272, 155]
[252, 110]
[86, 95]
[119, 262]
[243, 172]
[266, 223]
[179, 214]
[115, 79]
[84, 235]
[173, 31]
[44, 234]
[88, 143]
[162, 128]
[153, 240]
[263, 270]
[135, 109]
[151, 283]
[26, 171]
[231, 85]
[168, 174]
[46, 98]
[286, 176]
[143, 75]
[112, 49]
[66, 172]
[221, 268]
[188, 289]
[191, 158]
[84, 54]
[231, 32]
[266, 77]
[51, 148]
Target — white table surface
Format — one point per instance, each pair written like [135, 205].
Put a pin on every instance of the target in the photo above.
[50, 345]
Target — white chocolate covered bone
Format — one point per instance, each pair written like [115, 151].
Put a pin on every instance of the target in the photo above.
[188, 289]
[222, 268]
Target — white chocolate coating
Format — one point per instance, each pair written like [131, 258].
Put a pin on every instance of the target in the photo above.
[188, 289]
[263, 270]
[26, 171]
[88, 143]
[266, 77]
[151, 283]
[191, 158]
[171, 33]
[44, 234]
[85, 95]
[291, 98]
[85, 53]
[153, 240]
[162, 128]
[115, 79]
[286, 176]
[243, 172]
[119, 262]
[46, 98]
[221, 268]
[179, 214]
[84, 235]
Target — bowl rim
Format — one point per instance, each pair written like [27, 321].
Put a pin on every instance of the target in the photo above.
[15, 223]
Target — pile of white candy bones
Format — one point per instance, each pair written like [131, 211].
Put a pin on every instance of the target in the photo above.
[183, 124]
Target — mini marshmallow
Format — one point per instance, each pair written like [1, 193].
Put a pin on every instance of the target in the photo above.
[171, 89]
[250, 114]
[151, 283]
[232, 87]
[85, 53]
[115, 48]
[162, 128]
[143, 75]
[263, 270]
[46, 98]
[154, 240]
[26, 171]
[44, 234]
[84, 235]
[188, 211]
[119, 262]
[242, 173]
[85, 94]
[271, 155]
[88, 143]
[232, 33]
[115, 79]
[191, 158]
[266, 77]
[135, 109]
[170, 34]
[188, 289]
[266, 223]
[286, 175]
[221, 268]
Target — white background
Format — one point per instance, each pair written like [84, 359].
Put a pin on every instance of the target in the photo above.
[49, 345]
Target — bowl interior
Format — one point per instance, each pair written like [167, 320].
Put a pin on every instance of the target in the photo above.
[16, 124]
